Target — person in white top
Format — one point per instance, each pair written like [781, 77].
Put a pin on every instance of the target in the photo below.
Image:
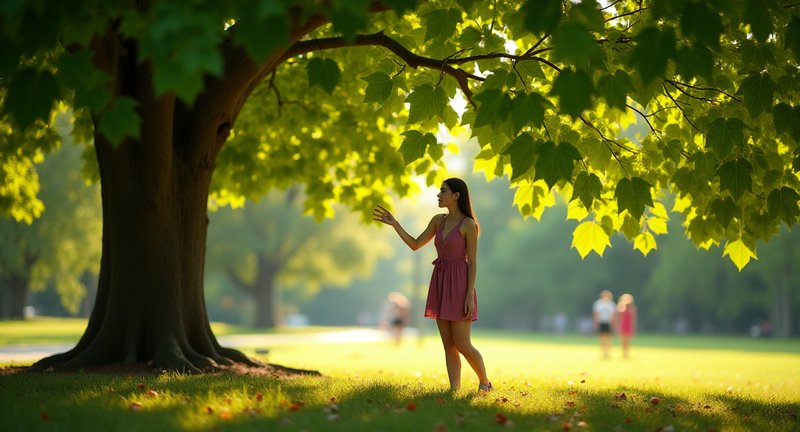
[603, 313]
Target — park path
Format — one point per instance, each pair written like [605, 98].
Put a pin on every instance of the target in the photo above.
[19, 354]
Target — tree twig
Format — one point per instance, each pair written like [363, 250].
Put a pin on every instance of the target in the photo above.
[679, 107]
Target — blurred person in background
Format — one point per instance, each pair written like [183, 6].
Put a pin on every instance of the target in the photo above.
[603, 319]
[452, 301]
[396, 315]
[626, 319]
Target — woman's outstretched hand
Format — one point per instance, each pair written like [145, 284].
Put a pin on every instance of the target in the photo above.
[383, 215]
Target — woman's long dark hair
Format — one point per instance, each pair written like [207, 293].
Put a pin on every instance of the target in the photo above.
[464, 204]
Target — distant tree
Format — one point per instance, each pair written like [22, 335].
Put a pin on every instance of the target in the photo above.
[280, 86]
[270, 246]
[58, 248]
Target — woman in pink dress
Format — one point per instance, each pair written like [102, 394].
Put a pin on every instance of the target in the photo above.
[626, 319]
[452, 301]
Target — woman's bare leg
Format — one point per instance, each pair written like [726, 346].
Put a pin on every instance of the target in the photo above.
[626, 342]
[451, 356]
[461, 336]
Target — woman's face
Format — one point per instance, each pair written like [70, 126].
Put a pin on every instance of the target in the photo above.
[446, 196]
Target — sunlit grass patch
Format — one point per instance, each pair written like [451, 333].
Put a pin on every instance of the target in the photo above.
[541, 385]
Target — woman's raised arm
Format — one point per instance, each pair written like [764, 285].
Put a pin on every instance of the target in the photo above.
[383, 215]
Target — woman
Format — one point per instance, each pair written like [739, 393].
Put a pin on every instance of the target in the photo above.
[626, 317]
[451, 296]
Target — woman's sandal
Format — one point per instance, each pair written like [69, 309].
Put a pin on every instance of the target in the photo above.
[485, 388]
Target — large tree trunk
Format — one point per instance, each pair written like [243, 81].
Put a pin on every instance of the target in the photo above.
[266, 295]
[150, 305]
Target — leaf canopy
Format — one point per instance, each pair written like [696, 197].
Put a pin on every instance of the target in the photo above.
[656, 101]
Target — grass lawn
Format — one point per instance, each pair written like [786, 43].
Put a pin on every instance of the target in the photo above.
[543, 383]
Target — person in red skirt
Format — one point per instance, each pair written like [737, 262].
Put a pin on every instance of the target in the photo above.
[626, 317]
[452, 301]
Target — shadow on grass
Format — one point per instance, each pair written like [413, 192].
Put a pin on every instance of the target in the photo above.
[167, 402]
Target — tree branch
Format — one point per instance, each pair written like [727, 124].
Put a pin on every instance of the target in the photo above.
[380, 39]
[606, 141]
[679, 107]
[677, 83]
[656, 133]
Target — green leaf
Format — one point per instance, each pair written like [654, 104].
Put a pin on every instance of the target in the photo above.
[782, 204]
[758, 90]
[426, 102]
[324, 73]
[574, 90]
[757, 14]
[541, 16]
[787, 120]
[573, 44]
[791, 39]
[654, 48]
[695, 60]
[736, 176]
[493, 107]
[633, 194]
[588, 14]
[30, 96]
[349, 17]
[414, 145]
[77, 71]
[527, 108]
[379, 87]
[555, 162]
[587, 188]
[440, 24]
[121, 121]
[723, 134]
[645, 242]
[589, 236]
[631, 227]
[704, 24]
[522, 152]
[739, 253]
[261, 28]
[615, 88]
[724, 210]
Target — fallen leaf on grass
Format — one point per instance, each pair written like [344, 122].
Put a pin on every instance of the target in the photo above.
[566, 426]
[296, 406]
[136, 406]
[441, 401]
[209, 410]
[655, 401]
[333, 417]
[225, 415]
[259, 397]
[152, 393]
[412, 406]
[499, 418]
[140, 386]
[620, 396]
[570, 404]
